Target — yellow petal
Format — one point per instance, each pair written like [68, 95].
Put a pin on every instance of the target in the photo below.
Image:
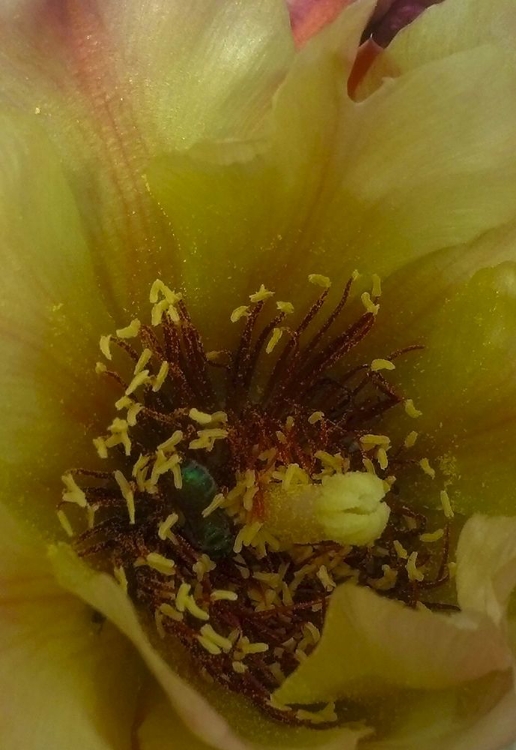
[369, 641]
[66, 678]
[486, 565]
[366, 186]
[50, 317]
[161, 729]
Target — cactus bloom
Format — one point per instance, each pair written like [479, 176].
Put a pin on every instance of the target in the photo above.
[258, 376]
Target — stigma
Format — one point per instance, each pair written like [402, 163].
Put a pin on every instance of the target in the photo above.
[234, 490]
[344, 508]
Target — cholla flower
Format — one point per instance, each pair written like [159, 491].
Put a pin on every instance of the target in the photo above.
[258, 377]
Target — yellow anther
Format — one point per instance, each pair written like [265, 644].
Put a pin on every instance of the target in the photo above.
[276, 335]
[207, 438]
[223, 595]
[383, 460]
[433, 536]
[173, 440]
[400, 550]
[140, 464]
[100, 447]
[215, 503]
[372, 440]
[162, 464]
[411, 410]
[142, 361]
[194, 609]
[377, 286]
[219, 640]
[413, 573]
[319, 280]
[328, 461]
[446, 504]
[410, 440]
[100, 368]
[132, 413]
[123, 403]
[65, 523]
[160, 377]
[287, 308]
[355, 275]
[105, 348]
[173, 314]
[169, 611]
[182, 596]
[316, 416]
[261, 295]
[200, 417]
[382, 364]
[130, 331]
[74, 494]
[160, 563]
[127, 494]
[158, 289]
[118, 425]
[210, 647]
[239, 312]
[166, 525]
[368, 303]
[157, 312]
[325, 578]
[369, 466]
[138, 380]
[425, 465]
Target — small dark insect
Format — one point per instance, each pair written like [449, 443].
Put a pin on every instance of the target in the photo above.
[97, 619]
[212, 535]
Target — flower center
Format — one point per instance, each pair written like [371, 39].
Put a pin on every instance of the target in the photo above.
[243, 486]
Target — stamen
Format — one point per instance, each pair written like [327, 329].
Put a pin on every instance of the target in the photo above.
[254, 493]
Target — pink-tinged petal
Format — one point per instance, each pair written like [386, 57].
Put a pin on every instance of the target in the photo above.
[442, 30]
[308, 17]
[115, 82]
[51, 315]
[394, 17]
[66, 679]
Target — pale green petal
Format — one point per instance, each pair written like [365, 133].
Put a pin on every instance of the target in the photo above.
[370, 643]
[51, 316]
[66, 679]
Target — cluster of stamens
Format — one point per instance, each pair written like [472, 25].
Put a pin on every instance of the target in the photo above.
[202, 441]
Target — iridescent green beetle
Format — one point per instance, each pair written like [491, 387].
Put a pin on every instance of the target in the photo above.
[212, 535]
